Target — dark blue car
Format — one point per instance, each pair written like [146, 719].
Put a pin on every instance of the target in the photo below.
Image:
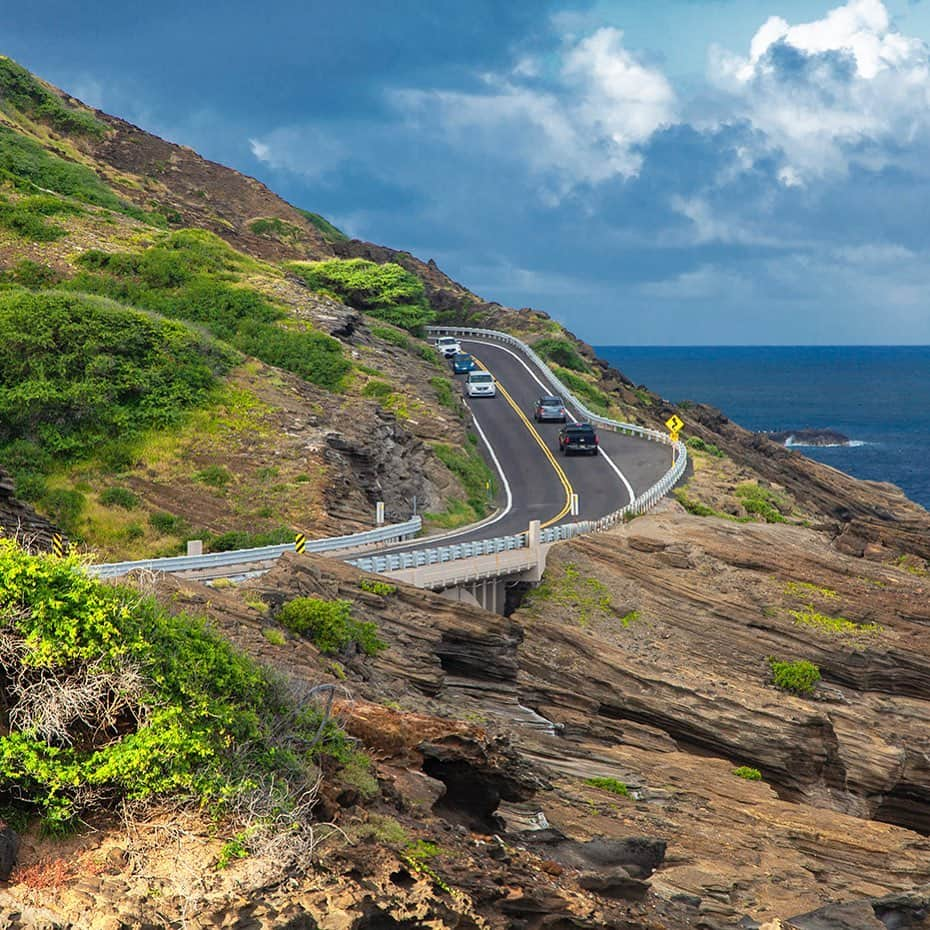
[462, 363]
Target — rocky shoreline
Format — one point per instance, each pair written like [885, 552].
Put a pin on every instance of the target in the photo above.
[808, 437]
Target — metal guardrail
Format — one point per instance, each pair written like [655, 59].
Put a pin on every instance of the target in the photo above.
[393, 532]
[645, 501]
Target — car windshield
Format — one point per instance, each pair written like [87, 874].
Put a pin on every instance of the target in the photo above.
[481, 377]
[550, 402]
[447, 341]
[462, 359]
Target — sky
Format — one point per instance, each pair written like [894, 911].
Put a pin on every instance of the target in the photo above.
[681, 172]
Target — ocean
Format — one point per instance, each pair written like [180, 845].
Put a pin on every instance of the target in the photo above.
[878, 396]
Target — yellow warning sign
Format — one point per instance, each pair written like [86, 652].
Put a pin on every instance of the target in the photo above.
[58, 545]
[674, 424]
[300, 542]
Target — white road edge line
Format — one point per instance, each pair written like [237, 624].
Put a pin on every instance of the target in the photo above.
[603, 454]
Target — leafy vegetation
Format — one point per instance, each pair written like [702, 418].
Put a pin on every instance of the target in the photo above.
[798, 677]
[76, 371]
[30, 168]
[21, 91]
[592, 396]
[240, 539]
[477, 479]
[110, 698]
[443, 388]
[275, 228]
[747, 772]
[562, 352]
[699, 445]
[584, 596]
[27, 217]
[393, 336]
[330, 232]
[28, 273]
[374, 586]
[330, 625]
[763, 502]
[613, 785]
[810, 617]
[119, 497]
[806, 589]
[387, 292]
[185, 276]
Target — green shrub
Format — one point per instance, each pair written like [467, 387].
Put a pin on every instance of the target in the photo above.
[75, 371]
[233, 539]
[387, 292]
[64, 507]
[747, 772]
[34, 275]
[763, 502]
[383, 588]
[168, 524]
[393, 336]
[274, 636]
[23, 92]
[330, 232]
[609, 784]
[330, 625]
[798, 677]
[274, 228]
[184, 277]
[378, 389]
[597, 400]
[180, 714]
[443, 389]
[560, 351]
[119, 497]
[698, 444]
[471, 469]
[214, 475]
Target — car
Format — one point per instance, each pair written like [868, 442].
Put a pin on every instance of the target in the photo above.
[578, 437]
[462, 363]
[550, 407]
[447, 346]
[480, 384]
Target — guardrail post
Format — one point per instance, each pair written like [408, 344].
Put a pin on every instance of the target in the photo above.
[379, 513]
[532, 536]
[195, 547]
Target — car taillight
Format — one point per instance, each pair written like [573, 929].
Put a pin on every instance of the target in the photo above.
[597, 441]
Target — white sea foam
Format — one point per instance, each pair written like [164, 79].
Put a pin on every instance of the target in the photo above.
[791, 444]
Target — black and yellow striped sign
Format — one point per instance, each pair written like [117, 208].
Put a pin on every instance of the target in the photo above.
[58, 545]
[300, 542]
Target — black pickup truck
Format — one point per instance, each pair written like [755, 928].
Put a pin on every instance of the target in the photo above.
[578, 437]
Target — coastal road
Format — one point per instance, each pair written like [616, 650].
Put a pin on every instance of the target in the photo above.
[536, 481]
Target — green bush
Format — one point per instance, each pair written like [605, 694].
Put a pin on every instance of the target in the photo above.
[184, 277]
[471, 469]
[383, 588]
[34, 275]
[393, 336]
[597, 400]
[64, 507]
[761, 501]
[609, 784]
[747, 772]
[560, 351]
[378, 389]
[119, 497]
[174, 711]
[168, 524]
[330, 625]
[698, 444]
[798, 677]
[274, 228]
[227, 542]
[387, 292]
[75, 371]
[216, 476]
[21, 91]
[330, 232]
[443, 388]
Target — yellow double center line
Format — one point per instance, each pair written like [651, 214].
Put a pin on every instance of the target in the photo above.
[569, 490]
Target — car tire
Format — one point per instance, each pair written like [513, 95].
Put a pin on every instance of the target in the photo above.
[594, 452]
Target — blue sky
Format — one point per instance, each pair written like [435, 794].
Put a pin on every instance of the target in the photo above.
[673, 172]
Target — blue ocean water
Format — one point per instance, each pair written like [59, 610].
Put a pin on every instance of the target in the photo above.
[879, 396]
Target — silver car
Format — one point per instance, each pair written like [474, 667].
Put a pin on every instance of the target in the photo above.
[447, 346]
[480, 384]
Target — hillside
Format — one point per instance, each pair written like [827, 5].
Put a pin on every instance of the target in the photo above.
[710, 717]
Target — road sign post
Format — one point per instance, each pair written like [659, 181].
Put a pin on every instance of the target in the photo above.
[379, 513]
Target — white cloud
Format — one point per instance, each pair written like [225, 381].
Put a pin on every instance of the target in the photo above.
[587, 126]
[305, 150]
[830, 92]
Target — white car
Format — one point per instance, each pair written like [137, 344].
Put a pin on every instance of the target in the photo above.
[447, 346]
[480, 384]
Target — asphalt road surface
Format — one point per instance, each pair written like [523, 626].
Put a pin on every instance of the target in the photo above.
[535, 480]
